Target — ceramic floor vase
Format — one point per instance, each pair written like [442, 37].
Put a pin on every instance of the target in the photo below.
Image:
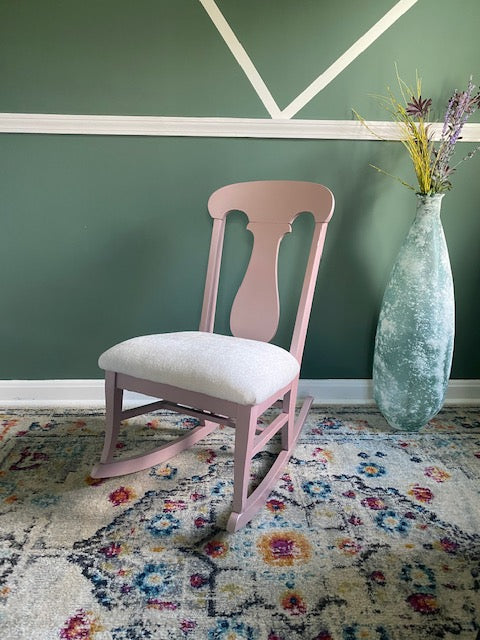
[415, 333]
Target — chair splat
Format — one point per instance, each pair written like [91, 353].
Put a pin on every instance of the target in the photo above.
[256, 309]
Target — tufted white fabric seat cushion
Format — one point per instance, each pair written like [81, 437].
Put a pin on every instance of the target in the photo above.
[237, 369]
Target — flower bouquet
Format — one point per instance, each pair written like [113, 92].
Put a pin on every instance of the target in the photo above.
[431, 160]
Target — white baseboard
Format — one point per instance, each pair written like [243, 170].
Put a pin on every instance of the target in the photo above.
[21, 394]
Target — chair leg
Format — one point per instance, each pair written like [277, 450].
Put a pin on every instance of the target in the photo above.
[245, 507]
[108, 467]
[113, 411]
[244, 436]
[289, 431]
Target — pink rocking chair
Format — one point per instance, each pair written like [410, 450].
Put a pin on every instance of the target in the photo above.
[229, 380]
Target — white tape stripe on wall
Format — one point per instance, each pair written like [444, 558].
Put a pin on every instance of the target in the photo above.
[323, 79]
[241, 57]
[348, 57]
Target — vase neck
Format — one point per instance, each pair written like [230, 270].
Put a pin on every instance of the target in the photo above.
[429, 204]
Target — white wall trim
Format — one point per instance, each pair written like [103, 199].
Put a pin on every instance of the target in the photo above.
[108, 125]
[24, 394]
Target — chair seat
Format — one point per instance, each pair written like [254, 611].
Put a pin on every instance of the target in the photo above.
[240, 370]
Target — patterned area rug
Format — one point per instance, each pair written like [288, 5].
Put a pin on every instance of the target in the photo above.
[371, 534]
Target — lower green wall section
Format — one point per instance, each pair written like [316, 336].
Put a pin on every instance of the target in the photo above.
[103, 238]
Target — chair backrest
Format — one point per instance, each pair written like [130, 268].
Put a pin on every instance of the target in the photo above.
[271, 206]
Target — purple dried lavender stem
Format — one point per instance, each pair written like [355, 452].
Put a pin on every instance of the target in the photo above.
[461, 113]
[447, 116]
[459, 108]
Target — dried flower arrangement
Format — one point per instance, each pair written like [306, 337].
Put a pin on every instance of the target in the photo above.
[431, 160]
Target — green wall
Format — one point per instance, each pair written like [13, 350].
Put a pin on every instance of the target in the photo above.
[106, 237]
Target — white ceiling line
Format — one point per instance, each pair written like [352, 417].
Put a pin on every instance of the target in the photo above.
[347, 58]
[241, 57]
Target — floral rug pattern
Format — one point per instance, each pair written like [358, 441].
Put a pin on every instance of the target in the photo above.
[370, 534]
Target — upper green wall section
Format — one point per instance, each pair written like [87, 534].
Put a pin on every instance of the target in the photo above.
[103, 238]
[165, 57]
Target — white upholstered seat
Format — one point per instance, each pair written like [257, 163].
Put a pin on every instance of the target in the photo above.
[235, 369]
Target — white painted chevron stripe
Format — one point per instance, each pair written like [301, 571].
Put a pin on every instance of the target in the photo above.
[242, 57]
[348, 57]
[324, 79]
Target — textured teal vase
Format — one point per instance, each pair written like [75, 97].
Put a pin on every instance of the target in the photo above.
[416, 326]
